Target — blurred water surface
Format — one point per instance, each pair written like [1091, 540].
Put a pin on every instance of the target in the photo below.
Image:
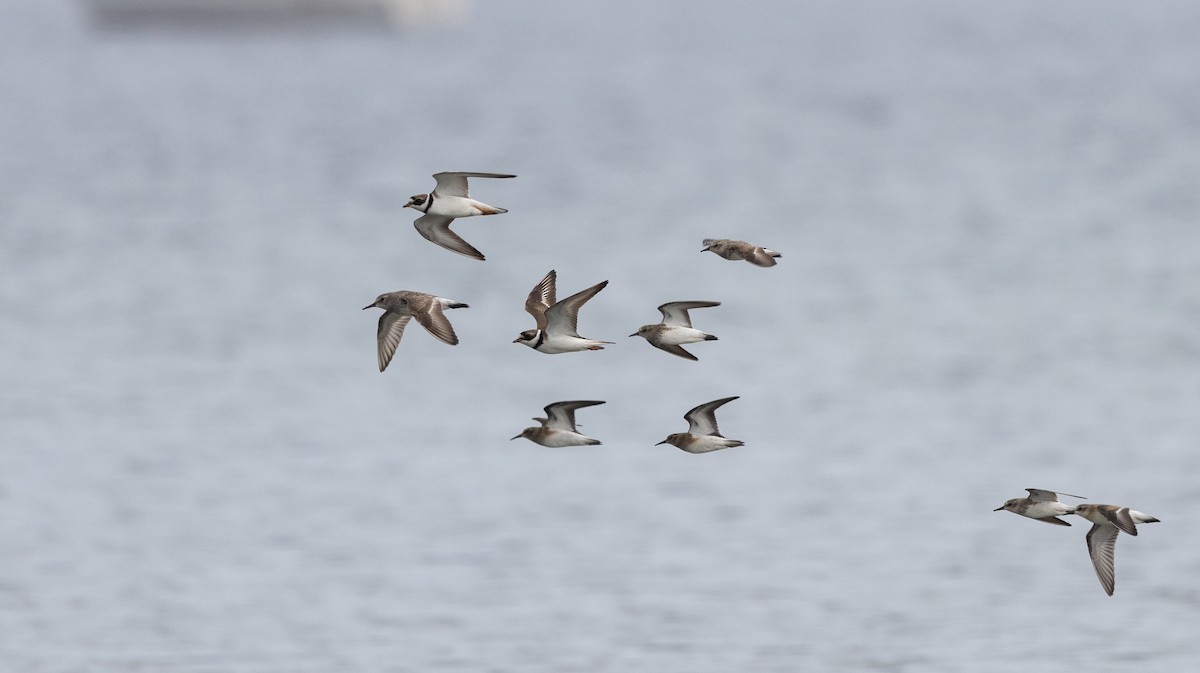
[990, 281]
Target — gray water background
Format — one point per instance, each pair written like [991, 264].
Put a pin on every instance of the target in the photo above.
[990, 280]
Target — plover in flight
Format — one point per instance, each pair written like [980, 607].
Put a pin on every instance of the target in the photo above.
[730, 249]
[1041, 505]
[702, 435]
[676, 328]
[1107, 521]
[558, 428]
[557, 328]
[447, 201]
[400, 307]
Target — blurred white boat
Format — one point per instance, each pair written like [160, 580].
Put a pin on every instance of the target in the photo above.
[386, 13]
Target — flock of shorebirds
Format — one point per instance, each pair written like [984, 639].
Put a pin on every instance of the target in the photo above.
[555, 322]
[556, 331]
